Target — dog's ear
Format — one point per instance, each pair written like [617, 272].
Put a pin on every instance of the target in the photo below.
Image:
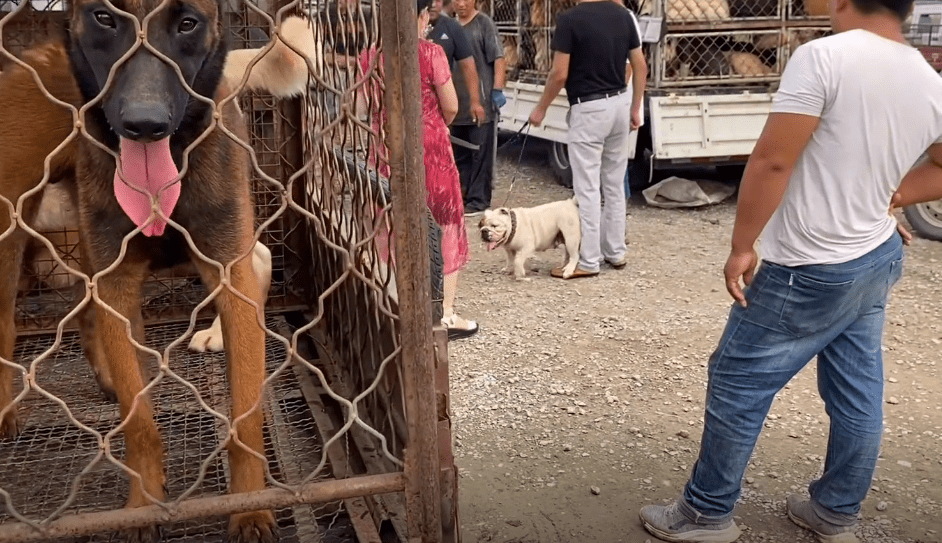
[504, 211]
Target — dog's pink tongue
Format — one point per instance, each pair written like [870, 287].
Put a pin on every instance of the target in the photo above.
[148, 174]
[491, 245]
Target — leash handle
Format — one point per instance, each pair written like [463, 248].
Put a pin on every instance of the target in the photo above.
[513, 180]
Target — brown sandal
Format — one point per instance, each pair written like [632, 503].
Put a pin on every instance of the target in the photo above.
[579, 272]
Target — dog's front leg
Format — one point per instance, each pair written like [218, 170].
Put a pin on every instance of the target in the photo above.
[11, 264]
[509, 268]
[121, 291]
[90, 339]
[520, 272]
[245, 355]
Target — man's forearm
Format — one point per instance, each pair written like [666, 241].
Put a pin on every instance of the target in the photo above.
[760, 193]
[471, 79]
[922, 184]
[500, 73]
[639, 80]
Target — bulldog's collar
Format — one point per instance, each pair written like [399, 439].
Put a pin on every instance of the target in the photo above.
[513, 227]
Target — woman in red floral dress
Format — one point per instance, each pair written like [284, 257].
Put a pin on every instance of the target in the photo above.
[439, 107]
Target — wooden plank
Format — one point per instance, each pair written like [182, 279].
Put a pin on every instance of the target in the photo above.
[361, 516]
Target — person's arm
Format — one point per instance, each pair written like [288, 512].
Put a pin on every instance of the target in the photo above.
[924, 182]
[447, 100]
[555, 82]
[763, 185]
[470, 73]
[500, 73]
[639, 79]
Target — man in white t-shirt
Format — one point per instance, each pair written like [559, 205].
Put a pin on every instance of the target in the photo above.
[853, 114]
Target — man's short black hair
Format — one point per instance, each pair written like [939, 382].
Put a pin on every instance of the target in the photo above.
[422, 4]
[900, 8]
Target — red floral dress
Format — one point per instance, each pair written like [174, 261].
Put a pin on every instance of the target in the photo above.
[442, 184]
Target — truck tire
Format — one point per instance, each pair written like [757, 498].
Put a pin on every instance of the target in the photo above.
[436, 268]
[359, 171]
[559, 161]
[640, 165]
[926, 219]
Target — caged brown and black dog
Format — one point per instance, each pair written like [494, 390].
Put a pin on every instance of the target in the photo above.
[152, 162]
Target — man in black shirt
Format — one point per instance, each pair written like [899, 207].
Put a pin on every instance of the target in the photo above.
[476, 167]
[448, 33]
[592, 43]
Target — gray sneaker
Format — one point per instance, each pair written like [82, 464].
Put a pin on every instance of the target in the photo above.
[669, 523]
[802, 513]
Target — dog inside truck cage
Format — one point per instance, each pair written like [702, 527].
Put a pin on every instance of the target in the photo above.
[165, 163]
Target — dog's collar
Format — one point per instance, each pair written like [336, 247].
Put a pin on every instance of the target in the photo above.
[513, 227]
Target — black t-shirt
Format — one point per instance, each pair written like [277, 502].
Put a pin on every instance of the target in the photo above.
[597, 36]
[449, 33]
[486, 48]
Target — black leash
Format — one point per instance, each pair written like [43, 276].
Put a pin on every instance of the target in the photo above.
[513, 180]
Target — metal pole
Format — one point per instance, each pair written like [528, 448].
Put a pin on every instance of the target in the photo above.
[122, 519]
[399, 32]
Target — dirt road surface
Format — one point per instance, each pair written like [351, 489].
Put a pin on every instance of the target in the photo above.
[581, 401]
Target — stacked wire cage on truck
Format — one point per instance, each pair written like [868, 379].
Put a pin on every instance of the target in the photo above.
[341, 388]
[742, 43]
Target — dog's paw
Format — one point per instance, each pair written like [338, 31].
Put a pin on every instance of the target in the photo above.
[523, 278]
[107, 388]
[209, 339]
[254, 527]
[10, 424]
[147, 534]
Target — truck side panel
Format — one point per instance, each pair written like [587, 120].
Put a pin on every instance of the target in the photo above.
[718, 127]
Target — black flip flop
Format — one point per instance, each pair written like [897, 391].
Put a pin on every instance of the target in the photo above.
[459, 333]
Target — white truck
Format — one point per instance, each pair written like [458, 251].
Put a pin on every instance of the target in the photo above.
[925, 33]
[714, 66]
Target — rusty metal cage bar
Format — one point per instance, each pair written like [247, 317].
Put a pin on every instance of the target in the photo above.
[404, 139]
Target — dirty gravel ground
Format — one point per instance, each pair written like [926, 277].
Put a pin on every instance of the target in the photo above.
[580, 401]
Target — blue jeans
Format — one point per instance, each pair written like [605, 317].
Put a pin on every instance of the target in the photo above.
[835, 312]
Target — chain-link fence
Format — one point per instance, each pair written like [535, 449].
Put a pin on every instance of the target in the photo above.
[807, 10]
[309, 410]
[696, 58]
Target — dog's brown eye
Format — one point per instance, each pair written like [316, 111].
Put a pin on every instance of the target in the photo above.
[187, 25]
[105, 19]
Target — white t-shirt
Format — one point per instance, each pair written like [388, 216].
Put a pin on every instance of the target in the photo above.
[880, 105]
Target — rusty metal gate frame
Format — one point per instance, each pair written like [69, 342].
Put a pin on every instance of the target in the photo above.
[426, 477]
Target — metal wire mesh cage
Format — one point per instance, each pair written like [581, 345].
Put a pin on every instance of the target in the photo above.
[712, 11]
[721, 57]
[807, 10]
[798, 36]
[317, 374]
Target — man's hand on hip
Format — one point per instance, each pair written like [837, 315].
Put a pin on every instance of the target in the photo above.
[740, 265]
